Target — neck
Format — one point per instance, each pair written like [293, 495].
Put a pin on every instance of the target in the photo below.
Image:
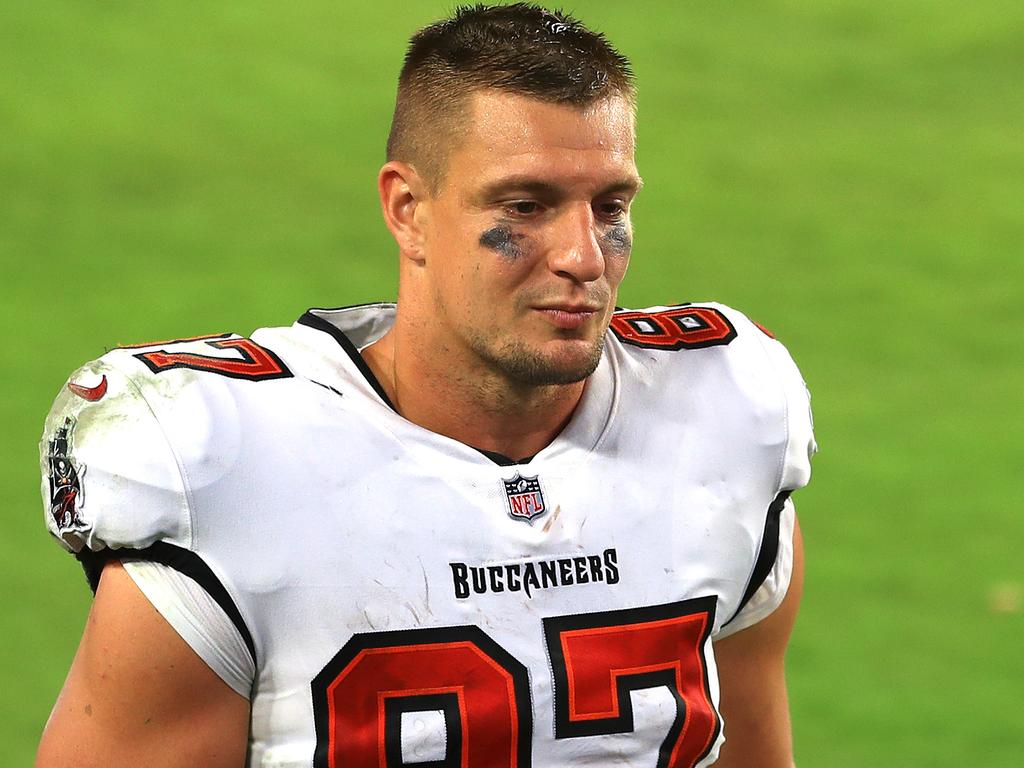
[471, 404]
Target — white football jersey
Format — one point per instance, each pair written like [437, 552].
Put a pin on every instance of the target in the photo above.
[409, 600]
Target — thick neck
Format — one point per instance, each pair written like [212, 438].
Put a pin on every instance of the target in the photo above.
[468, 403]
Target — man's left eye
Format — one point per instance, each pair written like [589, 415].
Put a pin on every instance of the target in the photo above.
[611, 211]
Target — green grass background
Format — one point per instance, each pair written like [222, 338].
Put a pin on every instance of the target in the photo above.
[849, 173]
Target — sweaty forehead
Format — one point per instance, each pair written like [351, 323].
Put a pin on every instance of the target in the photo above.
[509, 120]
[509, 134]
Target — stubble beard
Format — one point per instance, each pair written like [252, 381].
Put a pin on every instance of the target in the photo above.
[521, 364]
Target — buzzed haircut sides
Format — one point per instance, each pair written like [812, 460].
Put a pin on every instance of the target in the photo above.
[520, 48]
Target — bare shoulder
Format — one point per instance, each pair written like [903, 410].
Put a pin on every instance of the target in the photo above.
[138, 694]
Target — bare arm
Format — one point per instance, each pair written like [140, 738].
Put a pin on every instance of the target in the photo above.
[753, 683]
[137, 694]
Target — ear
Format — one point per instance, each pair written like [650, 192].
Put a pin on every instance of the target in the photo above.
[402, 191]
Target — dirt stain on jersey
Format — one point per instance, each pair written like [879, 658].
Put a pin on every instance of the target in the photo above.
[551, 520]
[426, 589]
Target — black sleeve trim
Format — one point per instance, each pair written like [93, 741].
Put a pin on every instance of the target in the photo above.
[314, 321]
[185, 562]
[769, 551]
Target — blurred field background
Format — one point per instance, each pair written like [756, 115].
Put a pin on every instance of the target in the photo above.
[849, 173]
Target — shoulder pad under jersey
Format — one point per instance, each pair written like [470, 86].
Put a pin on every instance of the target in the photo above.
[132, 434]
[109, 477]
[675, 341]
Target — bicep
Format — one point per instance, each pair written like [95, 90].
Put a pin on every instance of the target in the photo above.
[751, 671]
[137, 694]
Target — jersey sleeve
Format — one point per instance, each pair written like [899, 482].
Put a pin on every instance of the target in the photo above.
[773, 570]
[769, 595]
[110, 479]
[116, 480]
[800, 442]
[199, 619]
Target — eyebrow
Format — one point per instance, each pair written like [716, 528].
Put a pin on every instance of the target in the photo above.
[545, 189]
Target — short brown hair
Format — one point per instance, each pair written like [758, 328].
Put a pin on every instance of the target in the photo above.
[519, 48]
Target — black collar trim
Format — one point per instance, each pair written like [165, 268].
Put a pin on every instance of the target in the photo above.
[317, 322]
[501, 459]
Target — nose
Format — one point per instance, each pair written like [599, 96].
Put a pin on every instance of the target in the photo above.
[577, 251]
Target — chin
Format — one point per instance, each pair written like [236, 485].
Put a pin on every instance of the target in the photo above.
[568, 363]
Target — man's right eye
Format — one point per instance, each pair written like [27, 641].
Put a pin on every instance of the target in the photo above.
[523, 207]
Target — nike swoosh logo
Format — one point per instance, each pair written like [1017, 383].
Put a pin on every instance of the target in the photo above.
[92, 394]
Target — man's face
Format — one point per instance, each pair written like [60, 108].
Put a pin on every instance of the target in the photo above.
[529, 236]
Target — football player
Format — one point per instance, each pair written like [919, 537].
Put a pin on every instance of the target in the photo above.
[496, 524]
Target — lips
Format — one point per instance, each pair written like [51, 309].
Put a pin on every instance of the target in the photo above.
[568, 316]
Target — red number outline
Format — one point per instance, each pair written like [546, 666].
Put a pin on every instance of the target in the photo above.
[438, 655]
[598, 658]
[255, 363]
[683, 327]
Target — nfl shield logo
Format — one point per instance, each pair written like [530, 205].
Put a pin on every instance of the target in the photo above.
[525, 498]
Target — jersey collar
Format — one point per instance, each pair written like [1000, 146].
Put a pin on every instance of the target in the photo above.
[356, 327]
